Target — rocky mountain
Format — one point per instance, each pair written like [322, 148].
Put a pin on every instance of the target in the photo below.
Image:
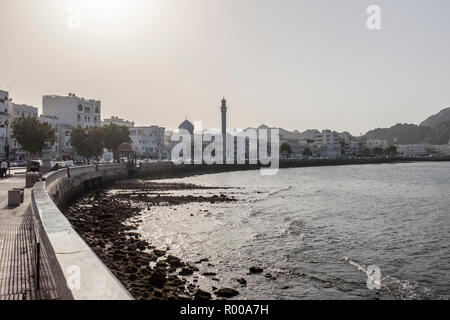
[401, 133]
[440, 134]
[442, 116]
[434, 130]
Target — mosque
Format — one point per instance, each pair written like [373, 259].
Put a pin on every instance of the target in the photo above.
[189, 127]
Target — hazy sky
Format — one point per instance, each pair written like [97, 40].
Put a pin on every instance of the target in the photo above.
[295, 64]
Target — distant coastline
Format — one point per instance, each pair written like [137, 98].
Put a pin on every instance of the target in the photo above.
[186, 170]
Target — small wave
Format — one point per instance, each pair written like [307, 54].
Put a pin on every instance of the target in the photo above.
[267, 194]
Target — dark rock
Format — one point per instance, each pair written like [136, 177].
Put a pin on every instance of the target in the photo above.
[174, 261]
[186, 271]
[256, 270]
[159, 253]
[132, 277]
[157, 294]
[158, 278]
[191, 266]
[207, 274]
[184, 297]
[226, 293]
[161, 265]
[202, 295]
[242, 281]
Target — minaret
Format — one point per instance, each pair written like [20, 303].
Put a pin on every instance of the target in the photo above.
[224, 128]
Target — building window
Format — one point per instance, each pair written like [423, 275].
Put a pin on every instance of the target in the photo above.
[87, 110]
[80, 108]
[97, 110]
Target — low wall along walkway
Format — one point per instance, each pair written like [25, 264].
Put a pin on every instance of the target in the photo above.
[78, 272]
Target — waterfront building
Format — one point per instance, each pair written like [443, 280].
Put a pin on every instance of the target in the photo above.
[412, 150]
[351, 146]
[66, 151]
[326, 145]
[148, 142]
[9, 111]
[118, 121]
[73, 110]
[438, 150]
[296, 141]
[4, 118]
[377, 143]
[51, 152]
[16, 111]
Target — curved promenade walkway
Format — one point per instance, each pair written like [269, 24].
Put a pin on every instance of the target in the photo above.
[17, 275]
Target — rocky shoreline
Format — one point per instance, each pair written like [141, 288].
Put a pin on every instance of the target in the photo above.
[107, 220]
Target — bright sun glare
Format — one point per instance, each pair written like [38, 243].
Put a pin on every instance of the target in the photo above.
[99, 12]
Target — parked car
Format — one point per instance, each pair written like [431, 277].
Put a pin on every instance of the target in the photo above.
[34, 166]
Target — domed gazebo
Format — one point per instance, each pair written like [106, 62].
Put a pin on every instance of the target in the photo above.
[125, 154]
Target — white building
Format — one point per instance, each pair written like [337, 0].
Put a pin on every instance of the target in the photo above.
[411, 150]
[118, 121]
[4, 106]
[51, 152]
[148, 142]
[377, 143]
[72, 110]
[327, 145]
[66, 151]
[16, 111]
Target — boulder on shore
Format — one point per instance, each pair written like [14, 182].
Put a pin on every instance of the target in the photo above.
[202, 295]
[256, 270]
[158, 278]
[226, 293]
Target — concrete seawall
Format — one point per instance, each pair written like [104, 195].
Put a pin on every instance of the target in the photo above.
[70, 258]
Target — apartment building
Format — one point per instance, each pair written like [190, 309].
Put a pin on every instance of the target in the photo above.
[148, 142]
[73, 110]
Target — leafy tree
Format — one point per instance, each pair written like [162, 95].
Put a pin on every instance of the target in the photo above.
[285, 149]
[115, 135]
[88, 142]
[307, 152]
[391, 151]
[377, 151]
[366, 152]
[33, 135]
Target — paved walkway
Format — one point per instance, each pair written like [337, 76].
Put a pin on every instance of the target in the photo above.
[17, 249]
